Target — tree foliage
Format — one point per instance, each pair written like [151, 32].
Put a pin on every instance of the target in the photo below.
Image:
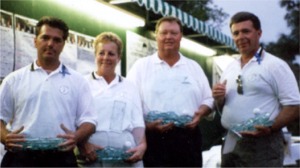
[287, 46]
[204, 10]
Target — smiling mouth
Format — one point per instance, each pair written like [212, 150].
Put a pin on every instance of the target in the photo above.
[49, 51]
[106, 63]
[242, 45]
[168, 44]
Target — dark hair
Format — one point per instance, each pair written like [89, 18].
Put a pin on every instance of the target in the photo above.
[244, 16]
[53, 22]
[168, 19]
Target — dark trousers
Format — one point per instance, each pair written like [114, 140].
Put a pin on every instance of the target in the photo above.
[266, 151]
[39, 159]
[176, 148]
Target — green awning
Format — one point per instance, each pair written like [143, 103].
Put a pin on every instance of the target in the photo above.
[165, 9]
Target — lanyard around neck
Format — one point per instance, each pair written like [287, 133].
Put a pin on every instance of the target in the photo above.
[258, 55]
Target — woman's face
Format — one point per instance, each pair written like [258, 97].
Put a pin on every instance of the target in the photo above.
[107, 58]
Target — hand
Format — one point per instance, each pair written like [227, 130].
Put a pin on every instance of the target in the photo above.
[202, 111]
[87, 151]
[159, 127]
[219, 91]
[259, 132]
[138, 153]
[196, 119]
[70, 139]
[13, 138]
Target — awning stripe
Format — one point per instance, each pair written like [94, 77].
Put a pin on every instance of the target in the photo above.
[165, 9]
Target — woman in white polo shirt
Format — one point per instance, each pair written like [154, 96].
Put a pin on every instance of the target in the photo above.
[118, 105]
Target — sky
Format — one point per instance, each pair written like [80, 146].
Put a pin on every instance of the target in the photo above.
[269, 12]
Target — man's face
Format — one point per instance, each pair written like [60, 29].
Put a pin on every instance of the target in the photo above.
[168, 36]
[49, 43]
[246, 37]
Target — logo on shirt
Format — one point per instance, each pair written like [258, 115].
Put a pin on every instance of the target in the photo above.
[185, 80]
[64, 89]
[253, 77]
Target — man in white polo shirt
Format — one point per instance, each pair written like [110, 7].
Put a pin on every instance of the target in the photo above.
[45, 99]
[257, 82]
[171, 82]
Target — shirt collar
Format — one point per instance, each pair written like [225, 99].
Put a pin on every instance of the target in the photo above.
[62, 69]
[95, 76]
[259, 54]
[157, 60]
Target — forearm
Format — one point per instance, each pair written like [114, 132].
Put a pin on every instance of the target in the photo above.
[4, 131]
[219, 104]
[286, 116]
[204, 110]
[139, 135]
[84, 131]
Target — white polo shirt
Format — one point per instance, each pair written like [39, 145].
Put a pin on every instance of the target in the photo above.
[41, 102]
[119, 110]
[182, 88]
[267, 86]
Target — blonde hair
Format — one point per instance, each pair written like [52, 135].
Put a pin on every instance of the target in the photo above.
[109, 37]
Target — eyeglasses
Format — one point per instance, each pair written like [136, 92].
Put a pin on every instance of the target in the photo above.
[239, 85]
